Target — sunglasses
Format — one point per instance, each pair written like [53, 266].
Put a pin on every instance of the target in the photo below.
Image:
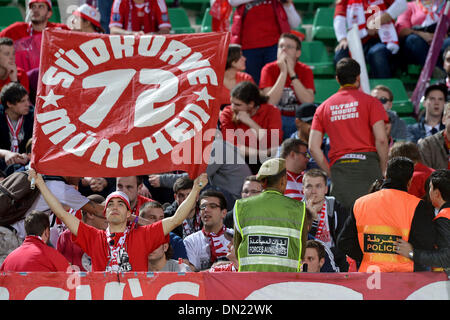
[383, 100]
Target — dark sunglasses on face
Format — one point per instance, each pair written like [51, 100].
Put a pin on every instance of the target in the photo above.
[383, 100]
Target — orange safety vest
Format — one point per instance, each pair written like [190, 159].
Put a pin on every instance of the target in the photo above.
[444, 213]
[382, 218]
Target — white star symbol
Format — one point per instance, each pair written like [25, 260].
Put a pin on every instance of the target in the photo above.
[51, 98]
[204, 96]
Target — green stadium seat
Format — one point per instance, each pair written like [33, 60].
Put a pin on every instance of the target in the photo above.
[315, 55]
[322, 28]
[401, 104]
[206, 22]
[56, 17]
[180, 21]
[409, 120]
[324, 89]
[9, 15]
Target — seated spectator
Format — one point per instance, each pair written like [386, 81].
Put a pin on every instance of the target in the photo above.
[69, 249]
[152, 212]
[431, 122]
[287, 82]
[161, 260]
[130, 186]
[398, 126]
[209, 245]
[9, 71]
[233, 72]
[421, 171]
[259, 123]
[27, 36]
[416, 27]
[16, 125]
[257, 26]
[328, 216]
[377, 33]
[232, 264]
[86, 18]
[314, 256]
[34, 254]
[251, 187]
[193, 223]
[434, 149]
[295, 152]
[139, 17]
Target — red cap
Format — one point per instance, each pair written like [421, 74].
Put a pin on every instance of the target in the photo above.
[117, 194]
[48, 2]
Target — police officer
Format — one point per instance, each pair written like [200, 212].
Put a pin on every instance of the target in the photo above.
[381, 218]
[270, 228]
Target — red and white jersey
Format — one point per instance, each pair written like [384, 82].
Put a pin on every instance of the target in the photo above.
[294, 186]
[150, 16]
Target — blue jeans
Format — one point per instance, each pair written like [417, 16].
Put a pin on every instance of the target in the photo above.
[257, 59]
[415, 49]
[377, 56]
[104, 6]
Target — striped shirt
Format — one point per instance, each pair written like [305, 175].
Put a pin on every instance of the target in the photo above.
[294, 187]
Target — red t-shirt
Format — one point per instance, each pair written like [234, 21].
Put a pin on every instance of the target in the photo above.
[149, 17]
[70, 250]
[140, 201]
[269, 76]
[420, 175]
[225, 93]
[35, 255]
[27, 42]
[347, 117]
[267, 117]
[260, 28]
[139, 244]
[21, 77]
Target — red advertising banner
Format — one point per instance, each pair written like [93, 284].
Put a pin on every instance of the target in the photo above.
[110, 105]
[224, 286]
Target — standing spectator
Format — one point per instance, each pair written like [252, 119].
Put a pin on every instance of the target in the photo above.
[130, 186]
[440, 197]
[377, 33]
[416, 27]
[446, 59]
[120, 248]
[27, 36]
[421, 173]
[209, 245]
[270, 228]
[435, 149]
[16, 125]
[431, 122]
[398, 126]
[295, 152]
[287, 82]
[9, 71]
[257, 26]
[314, 256]
[382, 217]
[34, 254]
[70, 250]
[259, 123]
[329, 216]
[234, 72]
[139, 17]
[86, 18]
[153, 212]
[193, 223]
[355, 124]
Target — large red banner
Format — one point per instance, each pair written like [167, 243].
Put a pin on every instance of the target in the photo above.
[224, 286]
[110, 105]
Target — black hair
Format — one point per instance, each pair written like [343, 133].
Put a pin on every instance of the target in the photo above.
[247, 92]
[347, 70]
[13, 92]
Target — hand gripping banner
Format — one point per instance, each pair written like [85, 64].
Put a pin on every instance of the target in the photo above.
[111, 105]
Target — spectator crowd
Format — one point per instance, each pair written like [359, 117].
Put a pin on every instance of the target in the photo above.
[311, 187]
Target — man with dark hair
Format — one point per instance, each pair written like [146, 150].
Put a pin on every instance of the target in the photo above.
[385, 216]
[209, 245]
[9, 71]
[431, 122]
[181, 189]
[288, 82]
[16, 125]
[130, 186]
[314, 255]
[440, 197]
[355, 124]
[34, 254]
[295, 152]
[270, 228]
